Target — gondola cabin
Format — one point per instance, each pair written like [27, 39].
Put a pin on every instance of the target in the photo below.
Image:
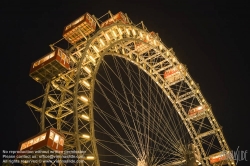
[198, 110]
[116, 18]
[141, 46]
[49, 66]
[174, 74]
[80, 28]
[219, 158]
[47, 140]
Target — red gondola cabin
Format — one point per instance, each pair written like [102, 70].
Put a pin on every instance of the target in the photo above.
[83, 26]
[50, 139]
[197, 110]
[219, 158]
[118, 17]
[49, 66]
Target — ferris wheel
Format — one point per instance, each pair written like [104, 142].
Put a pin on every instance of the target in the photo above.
[120, 96]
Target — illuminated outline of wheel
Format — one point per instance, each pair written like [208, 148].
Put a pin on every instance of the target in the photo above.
[69, 104]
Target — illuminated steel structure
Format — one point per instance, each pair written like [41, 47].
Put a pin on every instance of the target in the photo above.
[68, 101]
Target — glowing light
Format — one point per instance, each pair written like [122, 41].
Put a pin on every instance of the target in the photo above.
[114, 33]
[154, 42]
[199, 108]
[102, 42]
[141, 35]
[133, 31]
[86, 83]
[147, 37]
[160, 47]
[96, 49]
[56, 139]
[84, 99]
[120, 31]
[90, 157]
[73, 59]
[86, 136]
[107, 36]
[127, 31]
[92, 59]
[85, 117]
[87, 69]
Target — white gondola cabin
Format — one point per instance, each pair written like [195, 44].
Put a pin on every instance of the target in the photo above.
[50, 66]
[80, 28]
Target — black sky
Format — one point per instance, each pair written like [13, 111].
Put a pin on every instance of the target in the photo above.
[211, 38]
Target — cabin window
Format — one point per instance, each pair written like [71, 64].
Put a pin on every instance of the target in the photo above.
[42, 137]
[51, 135]
[46, 58]
[64, 58]
[24, 145]
[36, 140]
[30, 142]
[59, 53]
[43, 59]
[51, 55]
[61, 141]
[56, 139]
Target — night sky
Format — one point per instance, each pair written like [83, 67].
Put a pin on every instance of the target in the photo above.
[211, 38]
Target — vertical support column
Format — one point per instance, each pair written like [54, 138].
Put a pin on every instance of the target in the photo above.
[92, 132]
[191, 156]
[75, 112]
[42, 115]
[91, 112]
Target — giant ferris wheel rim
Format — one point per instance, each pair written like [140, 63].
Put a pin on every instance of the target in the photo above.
[152, 71]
